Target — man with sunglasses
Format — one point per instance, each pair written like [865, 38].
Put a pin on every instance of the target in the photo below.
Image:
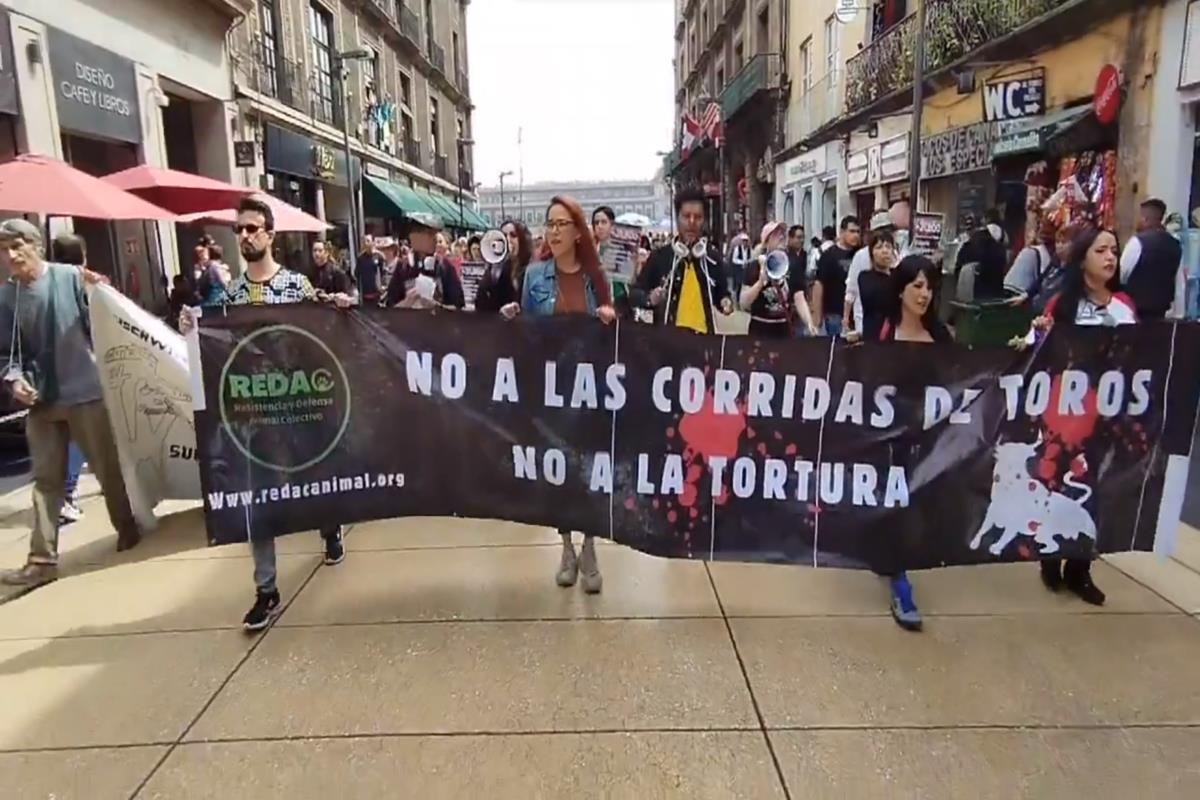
[266, 282]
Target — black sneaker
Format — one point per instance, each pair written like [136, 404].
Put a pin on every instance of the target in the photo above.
[1052, 574]
[265, 608]
[335, 550]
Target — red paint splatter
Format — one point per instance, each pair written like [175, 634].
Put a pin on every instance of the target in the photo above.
[1034, 526]
[672, 517]
[690, 495]
[1071, 430]
[693, 513]
[670, 433]
[631, 504]
[710, 434]
[762, 448]
[778, 436]
[1079, 466]
[654, 502]
[790, 450]
[1024, 552]
[751, 433]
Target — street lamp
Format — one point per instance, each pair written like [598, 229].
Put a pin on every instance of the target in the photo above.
[339, 60]
[463, 144]
[503, 175]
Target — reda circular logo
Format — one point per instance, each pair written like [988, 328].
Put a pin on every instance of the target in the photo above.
[285, 399]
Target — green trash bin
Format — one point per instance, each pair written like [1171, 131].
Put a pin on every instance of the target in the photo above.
[991, 323]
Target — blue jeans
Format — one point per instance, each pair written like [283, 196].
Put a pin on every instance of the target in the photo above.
[833, 325]
[265, 569]
[75, 464]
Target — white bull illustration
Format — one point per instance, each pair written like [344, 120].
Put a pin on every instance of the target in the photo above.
[1023, 506]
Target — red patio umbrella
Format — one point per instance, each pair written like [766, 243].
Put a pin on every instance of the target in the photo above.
[287, 217]
[181, 192]
[43, 185]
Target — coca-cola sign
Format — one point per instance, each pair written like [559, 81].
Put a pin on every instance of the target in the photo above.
[1107, 100]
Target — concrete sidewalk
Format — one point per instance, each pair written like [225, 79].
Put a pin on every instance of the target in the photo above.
[440, 660]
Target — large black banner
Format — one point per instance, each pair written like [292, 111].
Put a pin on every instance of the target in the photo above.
[807, 451]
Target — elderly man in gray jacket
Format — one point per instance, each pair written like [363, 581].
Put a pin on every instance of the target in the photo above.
[51, 369]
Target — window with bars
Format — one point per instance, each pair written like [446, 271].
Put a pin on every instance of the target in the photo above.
[435, 136]
[267, 17]
[321, 24]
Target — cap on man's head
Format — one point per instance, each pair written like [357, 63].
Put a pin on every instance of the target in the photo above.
[425, 220]
[17, 228]
[881, 220]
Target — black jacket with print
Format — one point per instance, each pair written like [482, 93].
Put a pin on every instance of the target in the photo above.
[658, 273]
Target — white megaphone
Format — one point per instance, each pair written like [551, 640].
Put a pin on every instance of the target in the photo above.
[777, 265]
[494, 246]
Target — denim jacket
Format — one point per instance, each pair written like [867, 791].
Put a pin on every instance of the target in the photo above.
[540, 292]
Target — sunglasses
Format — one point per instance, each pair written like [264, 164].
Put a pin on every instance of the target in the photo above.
[250, 229]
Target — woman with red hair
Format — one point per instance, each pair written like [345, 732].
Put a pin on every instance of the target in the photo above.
[568, 279]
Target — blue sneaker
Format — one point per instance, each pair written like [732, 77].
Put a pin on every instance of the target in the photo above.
[904, 608]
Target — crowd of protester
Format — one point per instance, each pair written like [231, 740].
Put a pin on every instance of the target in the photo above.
[834, 285]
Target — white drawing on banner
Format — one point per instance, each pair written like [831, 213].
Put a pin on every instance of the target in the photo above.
[1021, 505]
[151, 404]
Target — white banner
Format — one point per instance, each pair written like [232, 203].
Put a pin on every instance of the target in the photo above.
[144, 374]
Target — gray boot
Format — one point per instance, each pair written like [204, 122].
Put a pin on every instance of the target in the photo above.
[568, 568]
[592, 580]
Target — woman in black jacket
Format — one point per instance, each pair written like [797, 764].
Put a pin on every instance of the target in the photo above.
[501, 284]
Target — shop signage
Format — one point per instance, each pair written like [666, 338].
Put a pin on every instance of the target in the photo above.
[712, 189]
[964, 149]
[295, 154]
[1015, 98]
[95, 90]
[324, 161]
[1107, 100]
[878, 164]
[243, 154]
[927, 232]
[803, 167]
[8, 75]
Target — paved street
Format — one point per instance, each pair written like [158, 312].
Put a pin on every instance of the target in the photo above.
[440, 660]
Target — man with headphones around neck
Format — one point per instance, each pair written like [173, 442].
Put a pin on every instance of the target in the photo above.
[684, 282]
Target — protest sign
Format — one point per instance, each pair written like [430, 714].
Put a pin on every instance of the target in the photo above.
[143, 368]
[881, 455]
[619, 254]
[471, 274]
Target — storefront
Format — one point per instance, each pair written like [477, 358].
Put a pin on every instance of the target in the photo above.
[311, 175]
[149, 95]
[809, 188]
[99, 120]
[956, 176]
[877, 175]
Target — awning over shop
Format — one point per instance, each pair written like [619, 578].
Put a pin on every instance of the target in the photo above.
[451, 214]
[386, 199]
[1034, 134]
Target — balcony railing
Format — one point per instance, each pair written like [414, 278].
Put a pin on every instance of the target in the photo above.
[441, 167]
[386, 8]
[412, 152]
[815, 106]
[437, 57]
[264, 71]
[954, 29]
[760, 74]
[410, 26]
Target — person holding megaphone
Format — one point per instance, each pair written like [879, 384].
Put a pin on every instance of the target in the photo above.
[773, 289]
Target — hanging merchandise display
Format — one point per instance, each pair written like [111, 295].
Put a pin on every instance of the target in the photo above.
[1086, 192]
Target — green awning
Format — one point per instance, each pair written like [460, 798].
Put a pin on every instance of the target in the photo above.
[450, 212]
[386, 199]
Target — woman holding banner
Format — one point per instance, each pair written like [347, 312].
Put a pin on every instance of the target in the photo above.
[1091, 295]
[568, 280]
[912, 318]
[501, 284]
